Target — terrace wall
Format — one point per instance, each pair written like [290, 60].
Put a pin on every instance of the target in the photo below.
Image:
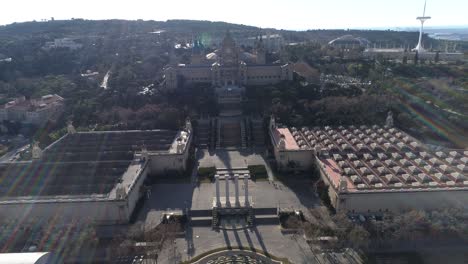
[101, 212]
[160, 163]
[395, 201]
[302, 158]
[332, 193]
[135, 193]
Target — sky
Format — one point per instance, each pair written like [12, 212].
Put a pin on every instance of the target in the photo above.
[280, 14]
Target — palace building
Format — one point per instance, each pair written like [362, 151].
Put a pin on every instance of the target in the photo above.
[227, 66]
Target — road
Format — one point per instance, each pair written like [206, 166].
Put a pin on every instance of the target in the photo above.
[10, 154]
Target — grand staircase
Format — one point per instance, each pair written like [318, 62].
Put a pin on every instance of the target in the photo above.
[203, 133]
[258, 132]
[231, 135]
[206, 133]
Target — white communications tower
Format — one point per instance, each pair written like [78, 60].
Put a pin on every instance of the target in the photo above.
[419, 48]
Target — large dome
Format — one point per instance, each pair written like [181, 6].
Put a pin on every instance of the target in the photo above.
[228, 42]
[249, 57]
[244, 56]
[212, 56]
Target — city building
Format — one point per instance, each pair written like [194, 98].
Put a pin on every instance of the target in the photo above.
[375, 168]
[63, 43]
[272, 42]
[228, 65]
[401, 53]
[96, 177]
[33, 111]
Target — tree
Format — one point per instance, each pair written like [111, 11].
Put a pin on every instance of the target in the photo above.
[437, 57]
[358, 237]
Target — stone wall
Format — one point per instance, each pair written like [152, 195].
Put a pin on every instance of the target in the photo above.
[135, 193]
[302, 158]
[399, 55]
[196, 74]
[395, 200]
[260, 75]
[98, 211]
[160, 163]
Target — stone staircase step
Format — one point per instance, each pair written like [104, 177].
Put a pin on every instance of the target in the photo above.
[267, 220]
[201, 221]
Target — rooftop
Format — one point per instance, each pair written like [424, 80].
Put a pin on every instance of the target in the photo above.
[108, 145]
[84, 165]
[41, 179]
[291, 143]
[383, 158]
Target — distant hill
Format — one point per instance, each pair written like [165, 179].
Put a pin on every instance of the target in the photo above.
[187, 29]
[81, 27]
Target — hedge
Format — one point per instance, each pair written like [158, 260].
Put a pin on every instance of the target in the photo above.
[258, 172]
[207, 173]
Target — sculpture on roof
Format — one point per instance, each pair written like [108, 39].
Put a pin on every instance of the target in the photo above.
[70, 128]
[188, 125]
[180, 145]
[36, 151]
[144, 152]
[343, 185]
[120, 191]
[389, 121]
[282, 143]
[272, 122]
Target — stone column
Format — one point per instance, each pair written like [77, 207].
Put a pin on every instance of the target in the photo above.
[236, 185]
[218, 197]
[246, 188]
[228, 203]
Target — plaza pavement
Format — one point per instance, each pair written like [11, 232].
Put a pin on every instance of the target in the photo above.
[265, 238]
[179, 197]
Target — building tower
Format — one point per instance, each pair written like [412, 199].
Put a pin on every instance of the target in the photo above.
[419, 48]
[198, 56]
[260, 51]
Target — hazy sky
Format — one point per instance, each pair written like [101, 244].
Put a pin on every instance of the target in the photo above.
[286, 14]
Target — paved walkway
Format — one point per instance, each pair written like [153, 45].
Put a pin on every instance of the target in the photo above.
[200, 196]
[223, 159]
[265, 238]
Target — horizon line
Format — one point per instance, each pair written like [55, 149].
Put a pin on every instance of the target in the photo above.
[461, 26]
